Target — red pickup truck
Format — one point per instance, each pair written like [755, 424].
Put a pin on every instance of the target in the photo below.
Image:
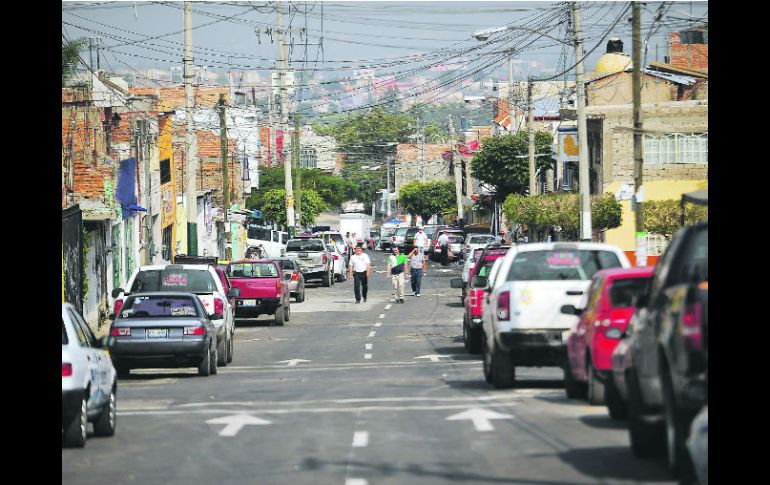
[263, 289]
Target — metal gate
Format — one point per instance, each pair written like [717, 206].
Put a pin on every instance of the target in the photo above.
[72, 248]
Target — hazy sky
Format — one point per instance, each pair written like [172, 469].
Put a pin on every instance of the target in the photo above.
[384, 35]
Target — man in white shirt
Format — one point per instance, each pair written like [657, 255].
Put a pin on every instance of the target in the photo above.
[361, 270]
[421, 240]
[443, 241]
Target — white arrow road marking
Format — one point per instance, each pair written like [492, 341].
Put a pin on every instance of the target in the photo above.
[372, 334]
[433, 358]
[480, 418]
[367, 356]
[292, 362]
[360, 439]
[382, 315]
[356, 481]
[387, 307]
[235, 422]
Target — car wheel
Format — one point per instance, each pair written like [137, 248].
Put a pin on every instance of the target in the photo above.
[123, 371]
[204, 368]
[222, 351]
[647, 439]
[574, 388]
[471, 338]
[75, 429]
[595, 386]
[487, 359]
[105, 423]
[300, 296]
[287, 312]
[615, 404]
[213, 361]
[231, 349]
[326, 280]
[677, 431]
[278, 317]
[503, 370]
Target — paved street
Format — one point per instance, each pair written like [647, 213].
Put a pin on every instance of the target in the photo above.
[377, 393]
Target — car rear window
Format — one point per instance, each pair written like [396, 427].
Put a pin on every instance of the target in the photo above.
[174, 279]
[154, 306]
[64, 339]
[624, 290]
[487, 267]
[401, 231]
[286, 264]
[455, 239]
[480, 239]
[252, 270]
[550, 265]
[305, 245]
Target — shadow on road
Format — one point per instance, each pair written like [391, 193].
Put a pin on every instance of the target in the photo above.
[602, 422]
[171, 374]
[262, 321]
[455, 304]
[615, 462]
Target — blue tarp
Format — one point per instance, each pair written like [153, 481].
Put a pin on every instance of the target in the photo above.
[126, 191]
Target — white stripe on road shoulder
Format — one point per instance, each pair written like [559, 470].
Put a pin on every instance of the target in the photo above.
[382, 315]
[367, 356]
[360, 439]
[356, 481]
[387, 307]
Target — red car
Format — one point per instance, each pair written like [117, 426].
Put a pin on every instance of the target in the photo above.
[600, 328]
[263, 290]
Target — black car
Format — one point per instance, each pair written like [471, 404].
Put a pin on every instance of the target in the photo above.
[669, 378]
[409, 239]
[164, 329]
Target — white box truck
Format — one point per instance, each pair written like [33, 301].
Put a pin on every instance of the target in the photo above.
[357, 222]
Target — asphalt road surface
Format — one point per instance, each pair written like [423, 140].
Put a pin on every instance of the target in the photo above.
[345, 394]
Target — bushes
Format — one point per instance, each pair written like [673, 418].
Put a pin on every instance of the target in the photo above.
[662, 216]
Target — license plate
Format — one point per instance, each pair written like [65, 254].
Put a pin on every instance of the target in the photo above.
[157, 333]
[248, 302]
[303, 255]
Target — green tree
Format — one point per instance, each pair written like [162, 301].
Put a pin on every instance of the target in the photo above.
[427, 198]
[391, 100]
[274, 206]
[662, 216]
[70, 52]
[332, 189]
[502, 162]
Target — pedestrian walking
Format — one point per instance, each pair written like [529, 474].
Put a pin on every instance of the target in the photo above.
[396, 265]
[443, 241]
[417, 268]
[360, 270]
[421, 239]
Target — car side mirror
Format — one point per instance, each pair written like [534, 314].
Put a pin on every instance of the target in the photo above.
[234, 293]
[112, 316]
[480, 282]
[216, 316]
[456, 282]
[571, 310]
[116, 292]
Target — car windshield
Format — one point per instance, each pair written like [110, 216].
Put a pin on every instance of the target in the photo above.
[547, 265]
[154, 306]
[455, 239]
[480, 239]
[401, 231]
[256, 232]
[388, 232]
[305, 245]
[623, 291]
[252, 270]
[174, 279]
[64, 339]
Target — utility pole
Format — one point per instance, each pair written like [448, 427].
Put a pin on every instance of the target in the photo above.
[225, 176]
[636, 81]
[511, 108]
[421, 153]
[584, 177]
[387, 192]
[295, 152]
[531, 130]
[271, 119]
[458, 175]
[290, 220]
[191, 174]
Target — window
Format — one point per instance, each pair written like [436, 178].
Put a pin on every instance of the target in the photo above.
[166, 254]
[64, 339]
[560, 265]
[172, 279]
[252, 270]
[305, 245]
[676, 148]
[623, 291]
[165, 171]
[152, 306]
[307, 158]
[256, 232]
[569, 182]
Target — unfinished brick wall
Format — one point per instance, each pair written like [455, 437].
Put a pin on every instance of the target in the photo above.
[691, 56]
[174, 97]
[83, 149]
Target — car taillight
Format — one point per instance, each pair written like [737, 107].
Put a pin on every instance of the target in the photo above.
[66, 369]
[295, 276]
[121, 332]
[691, 325]
[278, 287]
[219, 306]
[336, 258]
[195, 331]
[118, 305]
[504, 306]
[325, 259]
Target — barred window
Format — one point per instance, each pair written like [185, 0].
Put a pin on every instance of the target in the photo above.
[307, 158]
[676, 148]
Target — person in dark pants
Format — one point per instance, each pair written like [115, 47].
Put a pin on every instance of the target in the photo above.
[361, 270]
[443, 241]
[417, 268]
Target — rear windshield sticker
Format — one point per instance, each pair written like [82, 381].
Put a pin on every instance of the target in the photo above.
[175, 279]
[126, 313]
[562, 260]
[184, 311]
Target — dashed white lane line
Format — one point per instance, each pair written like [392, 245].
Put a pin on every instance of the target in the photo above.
[387, 307]
[367, 356]
[378, 324]
[382, 315]
[368, 346]
[356, 481]
[360, 439]
[371, 334]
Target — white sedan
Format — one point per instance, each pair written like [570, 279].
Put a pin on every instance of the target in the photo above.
[340, 272]
[88, 381]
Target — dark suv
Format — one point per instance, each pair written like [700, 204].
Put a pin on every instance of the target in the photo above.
[669, 378]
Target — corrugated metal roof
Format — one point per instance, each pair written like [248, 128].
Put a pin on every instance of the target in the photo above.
[674, 78]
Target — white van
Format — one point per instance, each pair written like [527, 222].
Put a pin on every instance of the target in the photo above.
[272, 241]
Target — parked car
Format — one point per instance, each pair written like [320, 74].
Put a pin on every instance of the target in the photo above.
[200, 279]
[340, 272]
[600, 327]
[398, 238]
[338, 240]
[476, 241]
[263, 290]
[670, 352]
[469, 263]
[386, 237]
[271, 241]
[164, 329]
[313, 258]
[88, 381]
[522, 322]
[455, 237]
[295, 280]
